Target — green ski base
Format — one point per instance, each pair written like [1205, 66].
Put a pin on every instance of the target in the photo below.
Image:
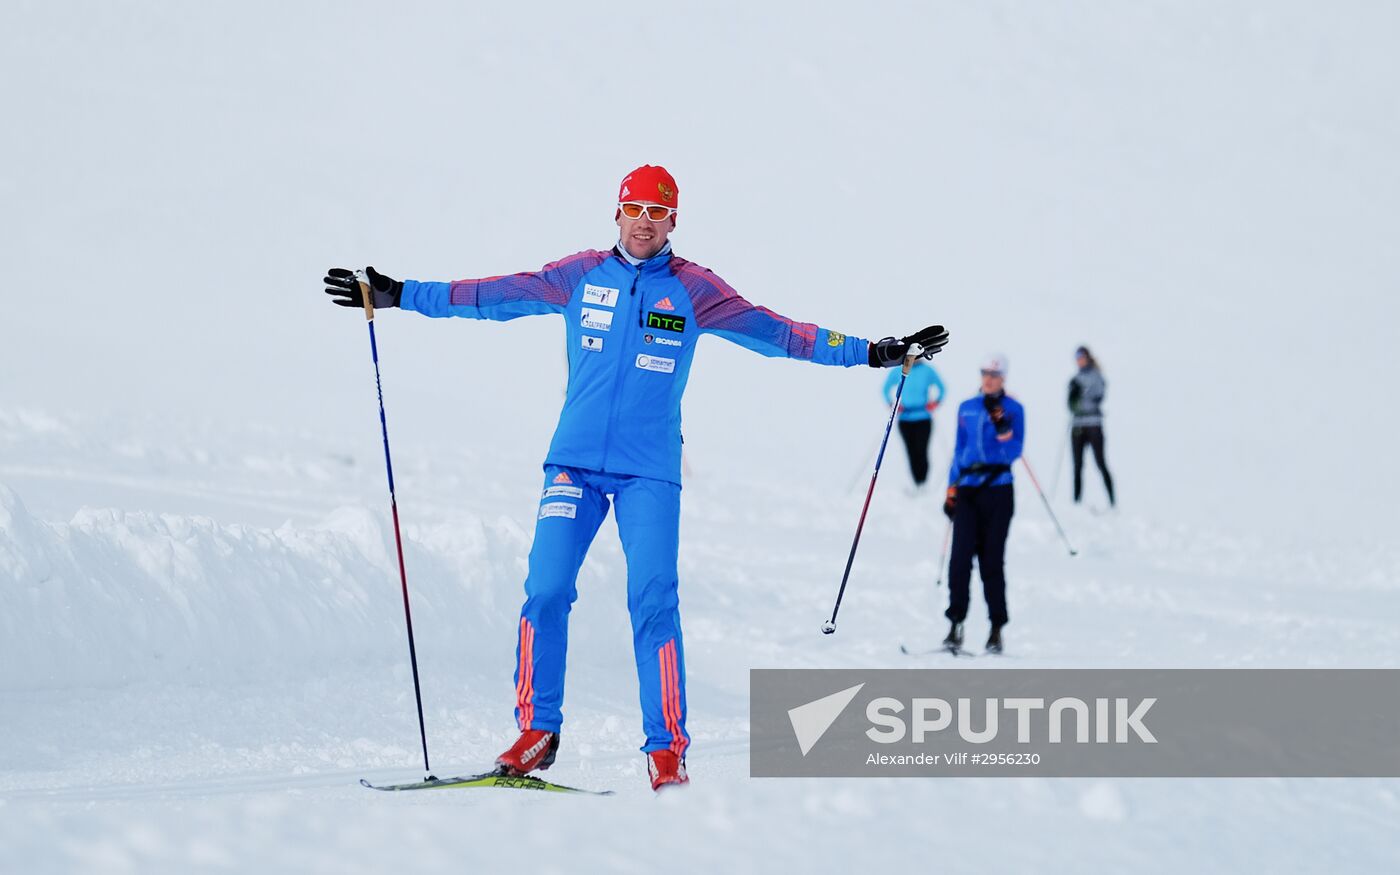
[487, 779]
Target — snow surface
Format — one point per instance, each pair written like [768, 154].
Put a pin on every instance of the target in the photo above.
[201, 644]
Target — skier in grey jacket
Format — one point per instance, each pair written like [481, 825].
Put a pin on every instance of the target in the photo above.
[1086, 391]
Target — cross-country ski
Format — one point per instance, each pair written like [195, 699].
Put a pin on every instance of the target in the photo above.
[496, 779]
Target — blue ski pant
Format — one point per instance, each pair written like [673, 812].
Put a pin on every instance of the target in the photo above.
[573, 505]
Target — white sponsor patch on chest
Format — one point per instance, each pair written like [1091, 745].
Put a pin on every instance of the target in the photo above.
[656, 363]
[592, 343]
[598, 320]
[600, 295]
[564, 492]
[558, 508]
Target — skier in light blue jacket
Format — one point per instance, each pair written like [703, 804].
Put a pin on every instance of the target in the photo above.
[916, 414]
[632, 315]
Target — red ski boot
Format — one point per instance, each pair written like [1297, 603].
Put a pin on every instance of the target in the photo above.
[534, 749]
[665, 768]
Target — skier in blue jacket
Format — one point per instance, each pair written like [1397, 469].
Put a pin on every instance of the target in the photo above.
[632, 316]
[916, 414]
[980, 500]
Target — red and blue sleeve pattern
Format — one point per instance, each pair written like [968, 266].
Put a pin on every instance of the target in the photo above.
[502, 298]
[721, 310]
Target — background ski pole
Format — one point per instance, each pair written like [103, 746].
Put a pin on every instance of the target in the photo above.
[943, 556]
[864, 460]
[1063, 536]
[910, 357]
[368, 295]
[1060, 460]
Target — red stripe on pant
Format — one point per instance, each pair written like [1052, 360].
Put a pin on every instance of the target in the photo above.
[671, 696]
[525, 686]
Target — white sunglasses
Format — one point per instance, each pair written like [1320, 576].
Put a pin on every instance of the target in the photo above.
[655, 212]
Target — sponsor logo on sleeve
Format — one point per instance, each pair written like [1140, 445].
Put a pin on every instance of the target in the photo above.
[592, 343]
[665, 322]
[657, 364]
[600, 295]
[598, 320]
[558, 508]
[564, 492]
[835, 338]
[563, 477]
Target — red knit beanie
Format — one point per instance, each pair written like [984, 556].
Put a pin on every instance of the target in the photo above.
[649, 184]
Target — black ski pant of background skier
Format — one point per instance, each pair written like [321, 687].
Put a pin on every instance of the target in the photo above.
[916, 433]
[981, 520]
[1093, 436]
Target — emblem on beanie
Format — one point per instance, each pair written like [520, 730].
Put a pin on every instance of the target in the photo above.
[668, 194]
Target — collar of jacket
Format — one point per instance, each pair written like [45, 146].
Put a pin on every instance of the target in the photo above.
[658, 260]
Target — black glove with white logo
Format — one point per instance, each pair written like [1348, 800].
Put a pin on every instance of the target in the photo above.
[341, 283]
[889, 352]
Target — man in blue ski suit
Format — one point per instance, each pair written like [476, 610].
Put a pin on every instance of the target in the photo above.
[916, 414]
[980, 500]
[633, 315]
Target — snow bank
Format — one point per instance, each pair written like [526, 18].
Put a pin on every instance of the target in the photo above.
[116, 596]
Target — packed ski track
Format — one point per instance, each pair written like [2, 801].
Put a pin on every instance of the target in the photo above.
[187, 692]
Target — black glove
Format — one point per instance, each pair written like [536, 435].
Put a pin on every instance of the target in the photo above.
[997, 412]
[342, 284]
[950, 504]
[888, 352]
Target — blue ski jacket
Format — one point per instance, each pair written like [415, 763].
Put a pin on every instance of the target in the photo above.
[630, 333]
[914, 403]
[977, 443]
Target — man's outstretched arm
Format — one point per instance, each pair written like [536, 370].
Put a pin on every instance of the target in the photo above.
[499, 298]
[720, 310]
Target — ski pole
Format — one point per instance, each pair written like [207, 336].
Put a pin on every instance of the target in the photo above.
[915, 350]
[943, 556]
[1060, 460]
[864, 460]
[394, 507]
[1063, 536]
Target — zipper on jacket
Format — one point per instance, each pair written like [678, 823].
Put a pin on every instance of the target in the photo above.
[617, 381]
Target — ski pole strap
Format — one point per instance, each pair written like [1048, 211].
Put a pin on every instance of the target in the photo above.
[914, 354]
[367, 293]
